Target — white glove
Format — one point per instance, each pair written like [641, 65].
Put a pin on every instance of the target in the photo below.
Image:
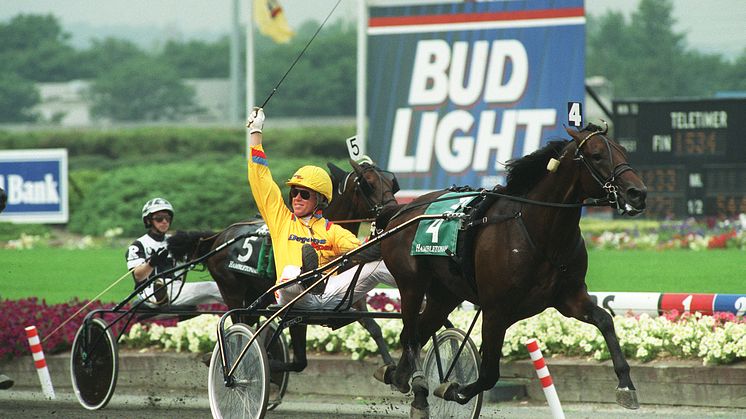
[255, 123]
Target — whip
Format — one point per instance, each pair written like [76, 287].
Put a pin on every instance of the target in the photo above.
[277, 86]
[88, 304]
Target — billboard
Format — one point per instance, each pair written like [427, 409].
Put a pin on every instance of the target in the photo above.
[691, 153]
[456, 89]
[36, 184]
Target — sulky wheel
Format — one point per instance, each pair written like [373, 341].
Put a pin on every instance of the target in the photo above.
[94, 364]
[465, 372]
[246, 391]
[278, 380]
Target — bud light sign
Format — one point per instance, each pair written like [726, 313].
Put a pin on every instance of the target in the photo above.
[456, 89]
[35, 182]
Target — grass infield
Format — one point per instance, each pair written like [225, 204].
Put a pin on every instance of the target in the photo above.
[59, 275]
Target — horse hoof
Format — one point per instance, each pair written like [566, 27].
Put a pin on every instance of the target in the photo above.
[384, 373]
[206, 358]
[446, 390]
[627, 398]
[415, 413]
[419, 384]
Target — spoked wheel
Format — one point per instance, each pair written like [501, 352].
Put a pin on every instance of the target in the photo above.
[465, 371]
[246, 392]
[94, 364]
[278, 380]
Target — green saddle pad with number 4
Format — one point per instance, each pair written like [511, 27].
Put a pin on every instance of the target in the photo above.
[439, 237]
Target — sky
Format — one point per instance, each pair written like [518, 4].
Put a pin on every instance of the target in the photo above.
[712, 26]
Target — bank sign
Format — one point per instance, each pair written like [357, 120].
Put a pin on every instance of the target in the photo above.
[456, 89]
[36, 184]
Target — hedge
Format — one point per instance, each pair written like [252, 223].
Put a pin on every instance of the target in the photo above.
[208, 195]
[202, 171]
[103, 149]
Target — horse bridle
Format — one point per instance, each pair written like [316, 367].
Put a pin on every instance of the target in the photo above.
[363, 187]
[608, 184]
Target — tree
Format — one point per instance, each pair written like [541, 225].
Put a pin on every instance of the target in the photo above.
[141, 89]
[105, 54]
[646, 58]
[322, 81]
[17, 97]
[198, 59]
[736, 73]
[36, 48]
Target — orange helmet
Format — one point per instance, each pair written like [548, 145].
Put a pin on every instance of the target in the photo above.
[313, 178]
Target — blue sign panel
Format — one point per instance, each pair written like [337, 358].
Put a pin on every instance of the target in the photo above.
[35, 182]
[455, 90]
[730, 303]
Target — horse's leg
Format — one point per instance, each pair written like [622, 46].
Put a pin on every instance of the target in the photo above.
[493, 335]
[585, 310]
[375, 332]
[436, 312]
[398, 377]
[298, 342]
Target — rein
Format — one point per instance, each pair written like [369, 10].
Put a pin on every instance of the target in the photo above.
[357, 220]
[591, 202]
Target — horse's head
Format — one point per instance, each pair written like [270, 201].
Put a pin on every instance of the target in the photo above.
[608, 173]
[367, 188]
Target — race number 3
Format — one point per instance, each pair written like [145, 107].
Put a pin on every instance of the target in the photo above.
[353, 148]
[575, 114]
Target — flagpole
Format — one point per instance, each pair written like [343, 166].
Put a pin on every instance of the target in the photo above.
[235, 93]
[362, 51]
[250, 99]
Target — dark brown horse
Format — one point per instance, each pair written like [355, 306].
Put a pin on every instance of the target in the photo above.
[525, 253]
[359, 194]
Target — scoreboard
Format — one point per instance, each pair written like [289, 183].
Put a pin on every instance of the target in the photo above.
[691, 154]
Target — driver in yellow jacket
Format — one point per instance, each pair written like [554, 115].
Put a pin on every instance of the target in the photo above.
[310, 193]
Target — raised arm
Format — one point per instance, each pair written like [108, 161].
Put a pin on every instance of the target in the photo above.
[255, 123]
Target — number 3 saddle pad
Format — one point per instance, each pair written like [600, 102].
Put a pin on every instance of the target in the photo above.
[439, 237]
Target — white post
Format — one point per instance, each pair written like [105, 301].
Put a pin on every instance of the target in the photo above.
[250, 97]
[362, 62]
[235, 93]
[546, 380]
[40, 362]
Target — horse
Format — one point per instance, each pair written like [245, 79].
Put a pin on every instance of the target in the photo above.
[525, 253]
[362, 193]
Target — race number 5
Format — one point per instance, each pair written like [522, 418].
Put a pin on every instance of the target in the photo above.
[575, 114]
[353, 148]
[249, 250]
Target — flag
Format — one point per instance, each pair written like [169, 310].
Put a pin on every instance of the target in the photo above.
[271, 21]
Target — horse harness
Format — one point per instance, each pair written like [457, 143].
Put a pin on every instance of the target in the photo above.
[606, 183]
[362, 186]
[473, 217]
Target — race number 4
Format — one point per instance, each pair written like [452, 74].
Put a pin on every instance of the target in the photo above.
[434, 229]
[575, 114]
[353, 148]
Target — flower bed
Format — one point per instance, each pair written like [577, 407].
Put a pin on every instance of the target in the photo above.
[645, 234]
[718, 339]
[18, 314]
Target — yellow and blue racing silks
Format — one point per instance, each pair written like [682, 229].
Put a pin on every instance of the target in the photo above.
[288, 232]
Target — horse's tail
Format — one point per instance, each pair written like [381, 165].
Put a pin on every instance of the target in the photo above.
[190, 244]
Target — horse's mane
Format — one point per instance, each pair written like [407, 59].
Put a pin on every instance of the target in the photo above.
[526, 172]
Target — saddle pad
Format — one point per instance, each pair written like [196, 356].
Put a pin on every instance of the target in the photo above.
[244, 255]
[435, 237]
